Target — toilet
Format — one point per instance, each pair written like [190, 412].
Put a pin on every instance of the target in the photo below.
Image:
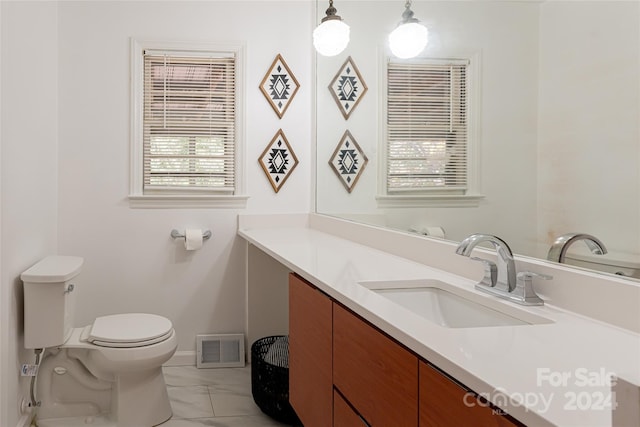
[618, 263]
[108, 373]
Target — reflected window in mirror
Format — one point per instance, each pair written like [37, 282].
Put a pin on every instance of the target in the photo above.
[427, 143]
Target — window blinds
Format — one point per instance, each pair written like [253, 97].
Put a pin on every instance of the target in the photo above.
[427, 126]
[189, 122]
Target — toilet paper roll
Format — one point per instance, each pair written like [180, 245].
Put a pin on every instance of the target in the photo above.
[434, 232]
[192, 239]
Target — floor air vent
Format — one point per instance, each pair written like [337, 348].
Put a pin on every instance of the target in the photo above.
[220, 351]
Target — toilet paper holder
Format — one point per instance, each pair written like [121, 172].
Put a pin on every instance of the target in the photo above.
[177, 235]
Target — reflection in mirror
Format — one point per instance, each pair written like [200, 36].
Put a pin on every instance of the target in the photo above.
[552, 125]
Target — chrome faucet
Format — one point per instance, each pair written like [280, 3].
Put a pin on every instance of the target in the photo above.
[501, 280]
[502, 276]
[559, 247]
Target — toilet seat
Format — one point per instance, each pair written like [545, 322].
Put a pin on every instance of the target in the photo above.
[127, 330]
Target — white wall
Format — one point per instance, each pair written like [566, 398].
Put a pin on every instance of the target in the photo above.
[589, 154]
[29, 174]
[68, 108]
[504, 35]
[131, 263]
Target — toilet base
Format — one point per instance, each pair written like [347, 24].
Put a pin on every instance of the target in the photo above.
[88, 421]
[77, 385]
[132, 411]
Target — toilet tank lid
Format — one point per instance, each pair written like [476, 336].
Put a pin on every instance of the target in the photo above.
[53, 269]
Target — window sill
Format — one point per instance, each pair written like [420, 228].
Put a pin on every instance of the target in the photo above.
[187, 201]
[429, 201]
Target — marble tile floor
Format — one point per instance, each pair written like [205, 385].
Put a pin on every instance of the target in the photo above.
[218, 397]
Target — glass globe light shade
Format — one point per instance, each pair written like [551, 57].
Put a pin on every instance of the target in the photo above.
[408, 40]
[331, 37]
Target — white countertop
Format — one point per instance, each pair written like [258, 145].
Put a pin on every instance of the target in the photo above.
[545, 374]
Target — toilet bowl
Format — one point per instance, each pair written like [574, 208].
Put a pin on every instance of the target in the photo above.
[108, 373]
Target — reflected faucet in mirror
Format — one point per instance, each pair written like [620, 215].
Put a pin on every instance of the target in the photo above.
[560, 246]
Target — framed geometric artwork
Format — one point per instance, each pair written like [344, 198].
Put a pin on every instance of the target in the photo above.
[279, 86]
[278, 160]
[347, 87]
[348, 161]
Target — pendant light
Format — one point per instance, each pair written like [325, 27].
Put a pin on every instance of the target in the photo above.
[410, 37]
[332, 35]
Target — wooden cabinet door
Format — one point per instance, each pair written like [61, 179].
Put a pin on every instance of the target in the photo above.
[375, 374]
[310, 340]
[344, 415]
[444, 403]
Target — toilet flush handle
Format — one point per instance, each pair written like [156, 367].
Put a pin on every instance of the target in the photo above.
[70, 288]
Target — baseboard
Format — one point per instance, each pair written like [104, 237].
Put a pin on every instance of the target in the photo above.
[182, 358]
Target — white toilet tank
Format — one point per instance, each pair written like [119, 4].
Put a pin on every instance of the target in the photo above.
[49, 301]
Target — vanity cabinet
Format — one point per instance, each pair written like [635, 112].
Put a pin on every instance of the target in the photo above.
[445, 403]
[310, 347]
[344, 372]
[375, 374]
[344, 415]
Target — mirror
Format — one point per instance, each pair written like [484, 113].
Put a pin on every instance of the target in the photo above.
[556, 107]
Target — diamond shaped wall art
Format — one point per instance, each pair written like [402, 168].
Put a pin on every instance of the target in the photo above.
[348, 161]
[347, 87]
[278, 160]
[279, 86]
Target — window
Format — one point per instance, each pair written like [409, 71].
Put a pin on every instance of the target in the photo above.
[187, 123]
[427, 131]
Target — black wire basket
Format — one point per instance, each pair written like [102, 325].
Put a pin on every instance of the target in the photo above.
[270, 378]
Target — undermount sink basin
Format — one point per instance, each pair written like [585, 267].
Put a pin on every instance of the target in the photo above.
[450, 306]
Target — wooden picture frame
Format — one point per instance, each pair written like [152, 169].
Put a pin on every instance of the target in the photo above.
[348, 87]
[279, 86]
[348, 161]
[278, 160]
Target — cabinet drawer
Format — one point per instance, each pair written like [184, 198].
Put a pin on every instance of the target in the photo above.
[310, 330]
[374, 373]
[444, 403]
[344, 415]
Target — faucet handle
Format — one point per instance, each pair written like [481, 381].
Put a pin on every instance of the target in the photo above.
[530, 275]
[524, 287]
[490, 272]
